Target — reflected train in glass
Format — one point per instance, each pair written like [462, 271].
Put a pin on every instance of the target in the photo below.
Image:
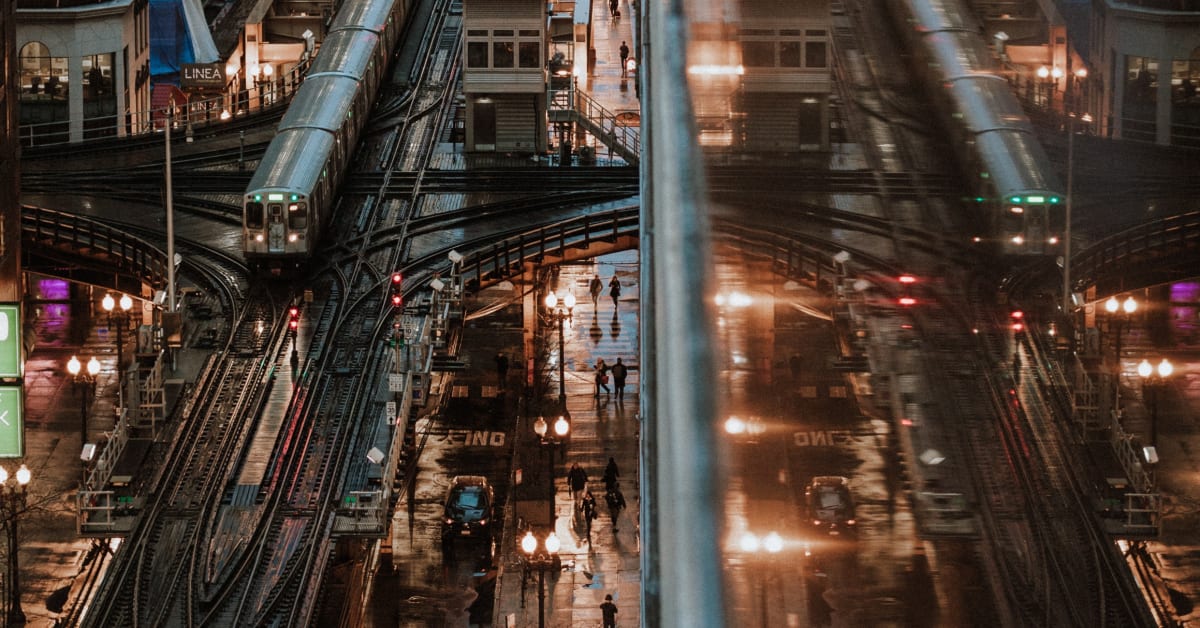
[1013, 179]
[292, 193]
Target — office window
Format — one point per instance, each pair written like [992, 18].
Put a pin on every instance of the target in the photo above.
[477, 54]
[814, 54]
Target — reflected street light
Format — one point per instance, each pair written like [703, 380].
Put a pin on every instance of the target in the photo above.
[1115, 308]
[542, 559]
[119, 318]
[562, 427]
[768, 545]
[85, 381]
[1154, 378]
[560, 315]
[12, 501]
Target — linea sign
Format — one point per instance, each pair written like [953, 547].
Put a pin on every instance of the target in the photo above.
[202, 75]
[12, 422]
[10, 340]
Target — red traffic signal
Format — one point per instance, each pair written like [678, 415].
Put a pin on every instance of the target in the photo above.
[907, 301]
[293, 317]
[294, 312]
[1018, 320]
[294, 324]
[907, 279]
[397, 289]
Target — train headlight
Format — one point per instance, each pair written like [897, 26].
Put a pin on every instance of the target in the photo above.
[1017, 209]
[1053, 240]
[1018, 239]
[258, 237]
[292, 237]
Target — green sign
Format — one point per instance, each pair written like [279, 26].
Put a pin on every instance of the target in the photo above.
[12, 422]
[10, 340]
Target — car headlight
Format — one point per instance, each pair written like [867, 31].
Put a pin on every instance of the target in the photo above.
[449, 521]
[483, 522]
[850, 522]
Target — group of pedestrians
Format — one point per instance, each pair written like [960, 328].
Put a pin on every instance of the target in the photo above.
[595, 287]
[619, 372]
[585, 501]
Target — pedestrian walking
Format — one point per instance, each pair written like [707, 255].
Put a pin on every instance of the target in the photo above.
[501, 368]
[601, 378]
[612, 8]
[619, 373]
[589, 512]
[595, 286]
[624, 57]
[614, 290]
[616, 503]
[611, 475]
[577, 479]
[609, 610]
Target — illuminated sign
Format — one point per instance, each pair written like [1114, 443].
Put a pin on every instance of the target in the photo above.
[202, 75]
[274, 197]
[10, 340]
[12, 422]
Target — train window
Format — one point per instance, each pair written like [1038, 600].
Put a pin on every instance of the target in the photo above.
[276, 211]
[298, 216]
[254, 215]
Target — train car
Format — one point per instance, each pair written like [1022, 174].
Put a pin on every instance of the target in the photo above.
[290, 199]
[1013, 180]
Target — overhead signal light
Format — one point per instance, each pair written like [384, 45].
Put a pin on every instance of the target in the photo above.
[907, 301]
[397, 289]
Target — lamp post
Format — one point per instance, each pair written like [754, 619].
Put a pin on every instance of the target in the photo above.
[560, 315]
[540, 560]
[84, 381]
[1114, 307]
[562, 427]
[1153, 378]
[768, 545]
[120, 318]
[1080, 74]
[12, 497]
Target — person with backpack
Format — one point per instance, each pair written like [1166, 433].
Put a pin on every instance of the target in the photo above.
[616, 503]
[619, 373]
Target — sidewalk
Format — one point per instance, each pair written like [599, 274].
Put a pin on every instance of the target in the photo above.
[600, 428]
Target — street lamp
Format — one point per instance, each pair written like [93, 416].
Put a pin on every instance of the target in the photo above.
[562, 427]
[540, 560]
[1153, 378]
[120, 318]
[1113, 307]
[84, 381]
[560, 315]
[752, 545]
[12, 499]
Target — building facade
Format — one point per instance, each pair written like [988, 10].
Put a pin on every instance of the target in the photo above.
[83, 69]
[1148, 54]
[504, 75]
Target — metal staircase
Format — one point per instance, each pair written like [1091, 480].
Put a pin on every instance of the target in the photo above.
[573, 105]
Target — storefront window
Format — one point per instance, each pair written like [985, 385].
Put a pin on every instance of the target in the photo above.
[44, 88]
[1141, 99]
[99, 98]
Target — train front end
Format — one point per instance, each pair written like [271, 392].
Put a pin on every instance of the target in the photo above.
[282, 206]
[276, 229]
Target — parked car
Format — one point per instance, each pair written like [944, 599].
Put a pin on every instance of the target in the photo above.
[468, 510]
[830, 504]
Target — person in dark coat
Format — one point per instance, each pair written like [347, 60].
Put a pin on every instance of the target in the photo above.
[595, 286]
[577, 479]
[611, 475]
[616, 503]
[612, 9]
[589, 512]
[624, 57]
[614, 290]
[609, 610]
[619, 373]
